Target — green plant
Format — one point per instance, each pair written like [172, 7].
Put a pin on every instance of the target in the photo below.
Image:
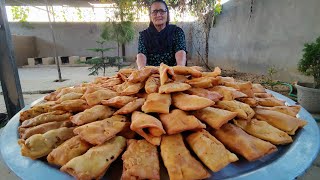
[310, 62]
[272, 70]
[101, 62]
[21, 14]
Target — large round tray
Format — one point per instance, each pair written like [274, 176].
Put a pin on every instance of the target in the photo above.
[288, 162]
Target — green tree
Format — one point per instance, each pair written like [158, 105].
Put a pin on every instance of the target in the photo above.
[121, 29]
[21, 14]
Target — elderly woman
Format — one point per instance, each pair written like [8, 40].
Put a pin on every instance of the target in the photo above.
[161, 42]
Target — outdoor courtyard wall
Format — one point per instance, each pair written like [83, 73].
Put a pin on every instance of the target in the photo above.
[73, 39]
[252, 35]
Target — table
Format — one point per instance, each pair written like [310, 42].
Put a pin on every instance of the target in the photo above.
[288, 162]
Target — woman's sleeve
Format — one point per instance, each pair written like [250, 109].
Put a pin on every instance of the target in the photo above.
[141, 48]
[179, 40]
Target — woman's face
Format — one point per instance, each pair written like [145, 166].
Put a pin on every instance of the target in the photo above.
[159, 14]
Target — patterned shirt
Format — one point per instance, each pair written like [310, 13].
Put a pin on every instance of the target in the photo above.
[168, 58]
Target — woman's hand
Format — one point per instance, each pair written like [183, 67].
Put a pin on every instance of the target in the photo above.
[141, 60]
[181, 58]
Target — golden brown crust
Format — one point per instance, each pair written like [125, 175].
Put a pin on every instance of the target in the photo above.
[210, 151]
[188, 102]
[140, 161]
[178, 160]
[248, 146]
[158, 103]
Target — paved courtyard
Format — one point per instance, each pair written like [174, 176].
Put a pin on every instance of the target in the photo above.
[34, 80]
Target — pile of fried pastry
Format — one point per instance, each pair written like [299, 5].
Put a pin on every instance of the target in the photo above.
[156, 112]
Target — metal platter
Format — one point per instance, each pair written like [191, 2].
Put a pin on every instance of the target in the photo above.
[289, 162]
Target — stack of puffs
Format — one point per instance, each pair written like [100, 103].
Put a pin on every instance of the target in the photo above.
[183, 117]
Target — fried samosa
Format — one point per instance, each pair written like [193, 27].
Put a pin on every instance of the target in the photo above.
[158, 103]
[68, 150]
[280, 120]
[164, 70]
[99, 95]
[184, 70]
[45, 118]
[214, 117]
[270, 102]
[36, 110]
[228, 93]
[131, 106]
[244, 110]
[289, 110]
[97, 112]
[178, 160]
[238, 141]
[152, 84]
[40, 145]
[173, 87]
[118, 101]
[76, 105]
[188, 102]
[213, 96]
[178, 121]
[96, 161]
[140, 161]
[210, 151]
[25, 133]
[69, 96]
[264, 131]
[99, 132]
[147, 126]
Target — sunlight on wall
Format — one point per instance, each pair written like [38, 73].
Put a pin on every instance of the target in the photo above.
[86, 14]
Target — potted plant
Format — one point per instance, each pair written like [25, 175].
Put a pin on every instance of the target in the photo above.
[309, 93]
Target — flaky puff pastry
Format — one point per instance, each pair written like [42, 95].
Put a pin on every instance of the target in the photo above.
[99, 95]
[76, 105]
[238, 141]
[228, 93]
[214, 117]
[25, 133]
[152, 84]
[96, 161]
[97, 112]
[178, 121]
[68, 150]
[212, 95]
[40, 145]
[188, 102]
[210, 151]
[245, 87]
[69, 96]
[158, 103]
[216, 72]
[36, 110]
[280, 120]
[289, 110]
[140, 161]
[270, 102]
[173, 87]
[101, 131]
[45, 118]
[128, 88]
[67, 90]
[203, 82]
[147, 126]
[164, 70]
[258, 88]
[184, 70]
[131, 106]
[118, 101]
[178, 160]
[244, 110]
[264, 131]
[140, 75]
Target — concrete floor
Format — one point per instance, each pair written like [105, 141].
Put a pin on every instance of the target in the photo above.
[44, 81]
